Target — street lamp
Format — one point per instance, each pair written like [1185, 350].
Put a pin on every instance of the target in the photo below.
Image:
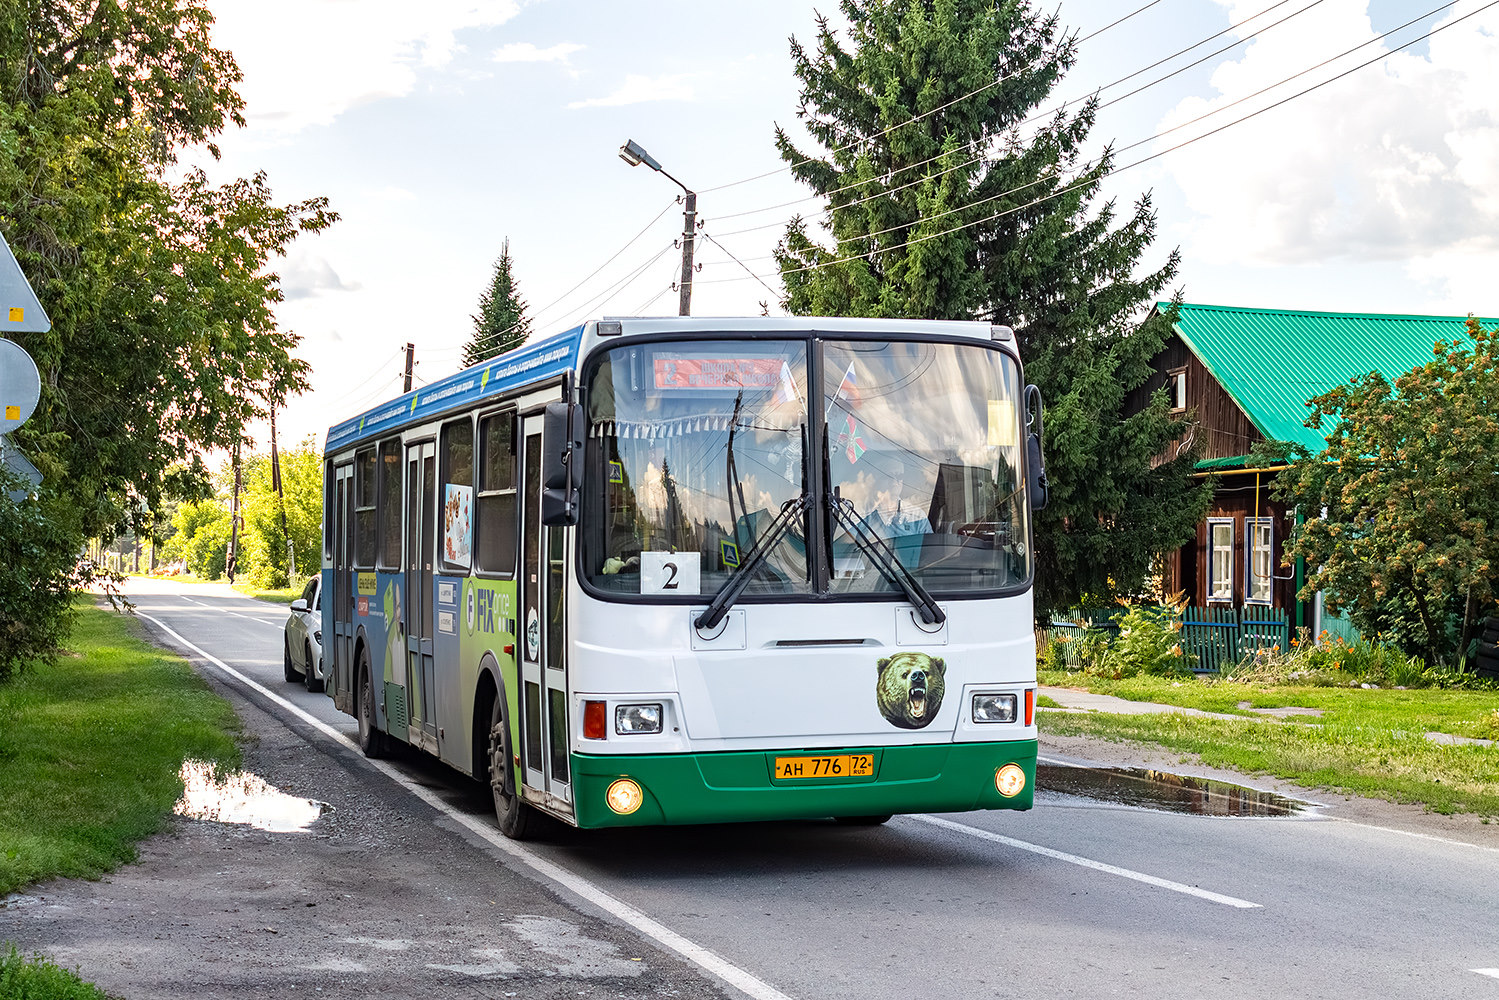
[634, 155]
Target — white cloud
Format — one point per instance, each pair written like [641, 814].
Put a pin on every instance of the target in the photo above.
[641, 89]
[307, 61]
[1396, 161]
[303, 277]
[526, 52]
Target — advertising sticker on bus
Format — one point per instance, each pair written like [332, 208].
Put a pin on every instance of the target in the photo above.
[458, 522]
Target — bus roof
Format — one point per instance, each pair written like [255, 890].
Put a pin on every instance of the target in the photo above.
[523, 365]
[550, 357]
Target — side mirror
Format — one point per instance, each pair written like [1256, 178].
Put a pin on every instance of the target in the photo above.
[299, 605]
[1035, 460]
[561, 464]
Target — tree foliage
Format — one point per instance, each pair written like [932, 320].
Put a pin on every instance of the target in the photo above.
[501, 324]
[1409, 481]
[944, 206]
[164, 341]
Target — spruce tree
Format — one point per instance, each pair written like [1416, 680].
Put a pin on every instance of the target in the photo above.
[501, 324]
[950, 197]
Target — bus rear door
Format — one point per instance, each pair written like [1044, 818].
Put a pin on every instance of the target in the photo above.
[421, 546]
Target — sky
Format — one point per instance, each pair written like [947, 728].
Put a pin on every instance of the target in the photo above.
[440, 129]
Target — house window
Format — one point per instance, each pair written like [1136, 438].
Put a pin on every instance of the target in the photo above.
[1176, 388]
[1221, 559]
[1261, 570]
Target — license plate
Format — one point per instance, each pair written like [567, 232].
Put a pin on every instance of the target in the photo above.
[842, 765]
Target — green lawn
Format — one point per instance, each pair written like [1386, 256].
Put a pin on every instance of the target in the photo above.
[90, 748]
[284, 595]
[1371, 742]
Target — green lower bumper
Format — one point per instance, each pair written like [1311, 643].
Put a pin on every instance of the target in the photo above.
[735, 787]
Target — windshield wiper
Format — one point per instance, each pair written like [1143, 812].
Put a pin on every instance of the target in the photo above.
[885, 558]
[740, 578]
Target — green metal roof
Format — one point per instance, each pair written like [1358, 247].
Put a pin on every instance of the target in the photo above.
[1271, 361]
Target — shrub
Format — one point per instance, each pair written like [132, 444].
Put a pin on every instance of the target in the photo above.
[1149, 641]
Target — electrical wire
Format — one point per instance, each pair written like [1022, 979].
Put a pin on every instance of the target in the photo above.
[1146, 159]
[925, 114]
[1045, 113]
[590, 305]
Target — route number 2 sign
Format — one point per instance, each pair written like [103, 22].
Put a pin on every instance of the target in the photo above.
[671, 573]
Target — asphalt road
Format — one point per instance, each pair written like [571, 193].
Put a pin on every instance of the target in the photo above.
[407, 888]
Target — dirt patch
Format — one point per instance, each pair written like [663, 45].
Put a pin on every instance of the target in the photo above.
[376, 898]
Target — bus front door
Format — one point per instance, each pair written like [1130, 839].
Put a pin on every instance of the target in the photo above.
[543, 661]
[421, 544]
[342, 659]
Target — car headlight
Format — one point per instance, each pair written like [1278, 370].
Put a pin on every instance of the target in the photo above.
[317, 637]
[994, 707]
[632, 719]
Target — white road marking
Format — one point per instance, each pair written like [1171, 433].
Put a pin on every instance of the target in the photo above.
[693, 952]
[236, 614]
[1073, 859]
[1494, 973]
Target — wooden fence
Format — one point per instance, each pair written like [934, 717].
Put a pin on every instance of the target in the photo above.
[1216, 636]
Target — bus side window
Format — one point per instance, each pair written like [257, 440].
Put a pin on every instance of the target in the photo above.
[494, 507]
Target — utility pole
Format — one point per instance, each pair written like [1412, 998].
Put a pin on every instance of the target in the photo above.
[689, 229]
[231, 557]
[291, 552]
[410, 364]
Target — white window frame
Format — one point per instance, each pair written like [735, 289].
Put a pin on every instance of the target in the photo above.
[1251, 578]
[1227, 579]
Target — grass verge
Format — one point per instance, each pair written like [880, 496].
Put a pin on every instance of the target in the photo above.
[38, 979]
[91, 747]
[283, 595]
[1372, 760]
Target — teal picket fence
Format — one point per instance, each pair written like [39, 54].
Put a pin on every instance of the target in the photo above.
[1215, 637]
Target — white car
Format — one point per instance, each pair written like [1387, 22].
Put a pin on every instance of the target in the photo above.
[303, 644]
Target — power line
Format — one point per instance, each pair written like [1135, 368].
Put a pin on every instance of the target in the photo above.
[1045, 113]
[626, 281]
[925, 114]
[1146, 159]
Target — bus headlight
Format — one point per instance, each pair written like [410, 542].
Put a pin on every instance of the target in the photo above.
[633, 719]
[994, 708]
[624, 796]
[1010, 780]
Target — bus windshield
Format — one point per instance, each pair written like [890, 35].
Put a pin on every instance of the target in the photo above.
[923, 443]
[699, 447]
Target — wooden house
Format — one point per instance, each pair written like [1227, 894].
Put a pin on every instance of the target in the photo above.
[1244, 376]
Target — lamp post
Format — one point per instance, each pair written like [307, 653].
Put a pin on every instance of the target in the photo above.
[632, 154]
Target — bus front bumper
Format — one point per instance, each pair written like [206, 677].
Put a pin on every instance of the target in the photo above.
[732, 787]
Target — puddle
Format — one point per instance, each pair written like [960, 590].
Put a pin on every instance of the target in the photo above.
[243, 798]
[1164, 791]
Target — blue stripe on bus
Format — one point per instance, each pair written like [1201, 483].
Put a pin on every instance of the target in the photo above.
[508, 371]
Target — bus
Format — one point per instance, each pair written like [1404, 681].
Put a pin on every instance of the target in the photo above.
[627, 575]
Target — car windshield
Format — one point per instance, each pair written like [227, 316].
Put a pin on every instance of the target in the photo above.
[697, 448]
[923, 440]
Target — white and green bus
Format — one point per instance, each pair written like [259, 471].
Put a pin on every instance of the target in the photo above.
[699, 570]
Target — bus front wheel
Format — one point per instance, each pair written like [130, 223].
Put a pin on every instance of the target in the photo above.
[371, 739]
[517, 820]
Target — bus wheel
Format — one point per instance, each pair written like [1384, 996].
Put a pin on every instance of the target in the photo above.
[309, 678]
[371, 740]
[518, 821]
[862, 820]
[287, 670]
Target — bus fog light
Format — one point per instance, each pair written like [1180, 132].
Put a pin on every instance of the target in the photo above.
[624, 796]
[631, 719]
[994, 708]
[1010, 780]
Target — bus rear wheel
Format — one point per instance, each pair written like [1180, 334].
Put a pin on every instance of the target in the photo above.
[517, 820]
[371, 739]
